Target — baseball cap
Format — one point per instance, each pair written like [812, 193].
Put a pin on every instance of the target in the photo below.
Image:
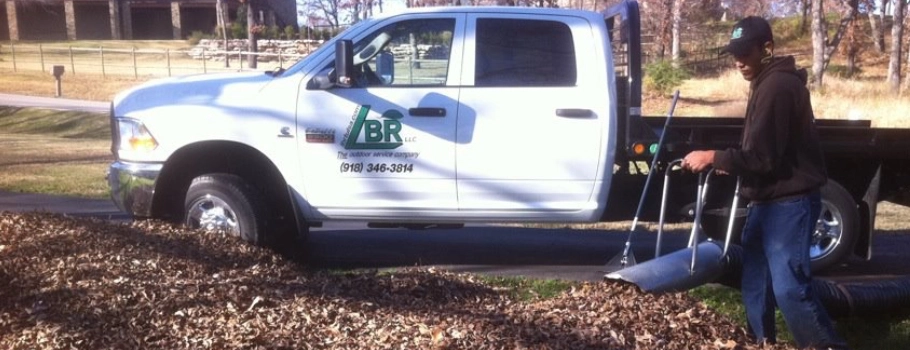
[747, 32]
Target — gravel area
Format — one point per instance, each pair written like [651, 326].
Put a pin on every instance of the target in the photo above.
[89, 284]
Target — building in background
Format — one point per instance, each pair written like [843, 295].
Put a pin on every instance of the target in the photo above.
[125, 19]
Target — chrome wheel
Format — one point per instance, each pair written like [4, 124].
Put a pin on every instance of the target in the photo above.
[212, 214]
[828, 231]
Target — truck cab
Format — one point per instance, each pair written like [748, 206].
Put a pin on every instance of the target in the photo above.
[439, 115]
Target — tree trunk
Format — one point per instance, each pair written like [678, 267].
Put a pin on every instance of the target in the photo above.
[850, 30]
[677, 18]
[222, 23]
[251, 30]
[819, 40]
[852, 35]
[804, 19]
[881, 16]
[877, 39]
[897, 33]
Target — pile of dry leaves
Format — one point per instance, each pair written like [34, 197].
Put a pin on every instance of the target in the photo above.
[87, 284]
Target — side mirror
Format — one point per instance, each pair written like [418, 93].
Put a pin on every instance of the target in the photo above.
[344, 63]
[341, 75]
[323, 80]
[385, 67]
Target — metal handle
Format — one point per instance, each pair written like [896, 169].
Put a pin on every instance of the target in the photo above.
[574, 112]
[427, 112]
[663, 206]
[732, 217]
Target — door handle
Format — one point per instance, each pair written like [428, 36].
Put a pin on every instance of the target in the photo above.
[574, 112]
[427, 112]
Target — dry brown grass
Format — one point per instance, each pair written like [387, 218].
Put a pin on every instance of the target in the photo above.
[82, 87]
[841, 98]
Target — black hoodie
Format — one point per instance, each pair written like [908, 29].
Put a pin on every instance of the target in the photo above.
[780, 156]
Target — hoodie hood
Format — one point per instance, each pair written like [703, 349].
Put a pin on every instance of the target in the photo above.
[785, 64]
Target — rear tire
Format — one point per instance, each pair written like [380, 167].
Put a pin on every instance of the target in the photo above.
[836, 230]
[225, 203]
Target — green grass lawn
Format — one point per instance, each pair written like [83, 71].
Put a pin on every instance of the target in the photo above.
[54, 152]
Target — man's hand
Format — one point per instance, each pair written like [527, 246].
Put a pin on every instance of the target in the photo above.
[698, 161]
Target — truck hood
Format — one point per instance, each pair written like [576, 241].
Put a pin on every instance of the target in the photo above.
[209, 89]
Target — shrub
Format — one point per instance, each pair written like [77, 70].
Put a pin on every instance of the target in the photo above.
[238, 30]
[289, 32]
[197, 36]
[272, 32]
[662, 77]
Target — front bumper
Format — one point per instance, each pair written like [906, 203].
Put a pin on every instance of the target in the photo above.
[133, 186]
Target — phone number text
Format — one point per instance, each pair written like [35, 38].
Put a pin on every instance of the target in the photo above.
[376, 167]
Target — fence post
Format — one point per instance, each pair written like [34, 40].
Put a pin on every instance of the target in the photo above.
[41, 56]
[72, 63]
[204, 70]
[101, 50]
[135, 69]
[167, 53]
[12, 49]
[240, 58]
[280, 62]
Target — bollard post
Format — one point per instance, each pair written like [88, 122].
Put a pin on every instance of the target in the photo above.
[101, 49]
[41, 56]
[12, 49]
[135, 69]
[72, 63]
[57, 72]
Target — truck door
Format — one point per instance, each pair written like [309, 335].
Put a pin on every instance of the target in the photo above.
[387, 142]
[531, 122]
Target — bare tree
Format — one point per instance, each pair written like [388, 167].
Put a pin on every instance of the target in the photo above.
[677, 18]
[819, 37]
[761, 8]
[252, 31]
[804, 6]
[822, 48]
[220, 11]
[883, 9]
[327, 10]
[897, 34]
[853, 39]
[876, 25]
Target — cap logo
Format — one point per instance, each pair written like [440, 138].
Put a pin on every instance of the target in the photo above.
[737, 33]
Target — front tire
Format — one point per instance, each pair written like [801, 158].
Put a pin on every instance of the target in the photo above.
[225, 203]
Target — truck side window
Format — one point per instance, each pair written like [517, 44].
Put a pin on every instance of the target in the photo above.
[524, 52]
[419, 50]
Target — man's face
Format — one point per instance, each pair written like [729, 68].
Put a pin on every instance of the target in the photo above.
[750, 65]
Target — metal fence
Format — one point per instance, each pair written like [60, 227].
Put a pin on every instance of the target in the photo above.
[157, 62]
[135, 62]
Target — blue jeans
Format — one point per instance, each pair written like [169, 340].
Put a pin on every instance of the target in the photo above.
[776, 272]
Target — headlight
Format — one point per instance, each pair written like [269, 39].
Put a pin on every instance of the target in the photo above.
[134, 137]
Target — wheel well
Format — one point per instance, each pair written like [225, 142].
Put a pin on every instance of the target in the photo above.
[218, 157]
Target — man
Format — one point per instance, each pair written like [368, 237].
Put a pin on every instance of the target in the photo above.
[782, 169]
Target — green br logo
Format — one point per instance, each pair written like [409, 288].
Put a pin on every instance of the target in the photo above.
[377, 134]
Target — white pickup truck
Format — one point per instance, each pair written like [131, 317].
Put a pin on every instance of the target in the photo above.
[438, 117]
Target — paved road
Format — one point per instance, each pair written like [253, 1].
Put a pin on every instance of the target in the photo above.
[53, 103]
